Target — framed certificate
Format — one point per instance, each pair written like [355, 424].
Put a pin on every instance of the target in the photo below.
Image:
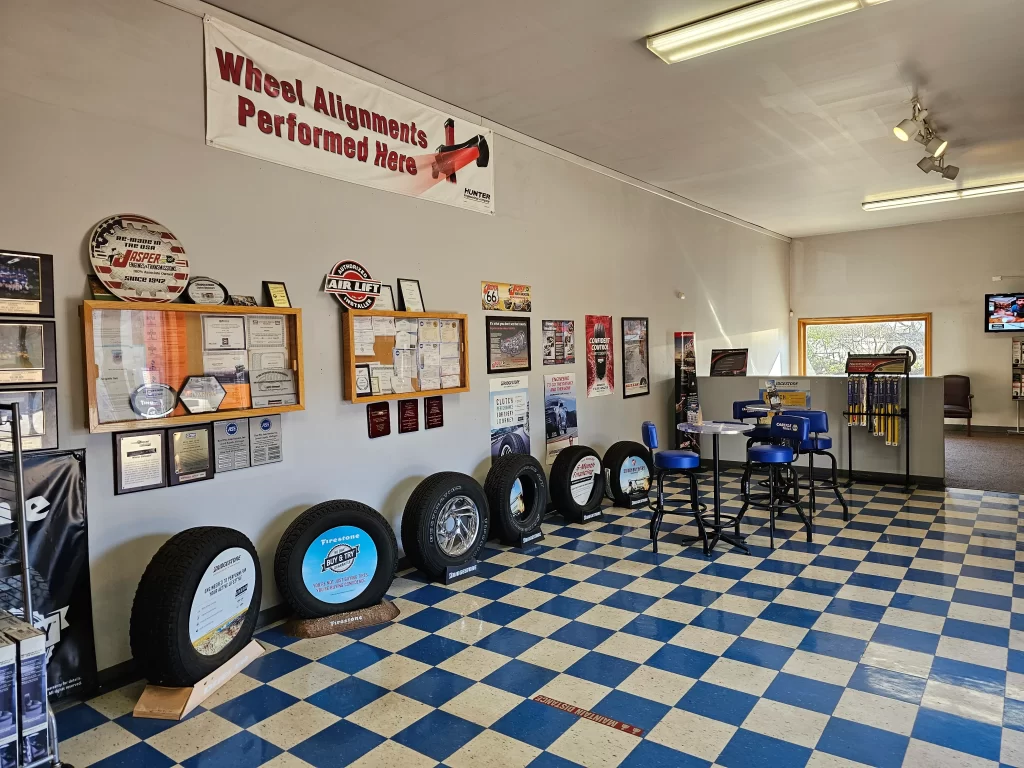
[410, 296]
[190, 452]
[26, 283]
[28, 353]
[139, 463]
[276, 294]
[38, 418]
[386, 300]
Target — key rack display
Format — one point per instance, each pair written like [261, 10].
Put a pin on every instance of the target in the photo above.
[162, 365]
[878, 397]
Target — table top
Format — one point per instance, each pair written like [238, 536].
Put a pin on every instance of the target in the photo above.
[777, 409]
[716, 427]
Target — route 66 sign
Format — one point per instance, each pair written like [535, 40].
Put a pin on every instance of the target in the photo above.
[352, 285]
[505, 297]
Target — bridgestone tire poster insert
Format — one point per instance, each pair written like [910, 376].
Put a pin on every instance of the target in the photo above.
[686, 388]
[560, 426]
[600, 356]
[510, 415]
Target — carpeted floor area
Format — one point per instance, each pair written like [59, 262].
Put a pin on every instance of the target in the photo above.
[986, 461]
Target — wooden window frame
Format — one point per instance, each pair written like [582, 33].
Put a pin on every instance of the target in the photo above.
[803, 322]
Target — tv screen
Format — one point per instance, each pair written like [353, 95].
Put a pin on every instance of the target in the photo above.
[1004, 312]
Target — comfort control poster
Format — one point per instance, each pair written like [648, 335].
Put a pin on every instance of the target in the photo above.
[271, 103]
[600, 356]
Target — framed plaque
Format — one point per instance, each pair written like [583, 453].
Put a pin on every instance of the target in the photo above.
[231, 444]
[378, 419]
[139, 462]
[265, 440]
[386, 300]
[275, 294]
[138, 259]
[201, 394]
[363, 379]
[408, 416]
[508, 344]
[153, 401]
[243, 301]
[433, 412]
[190, 454]
[410, 297]
[38, 418]
[26, 283]
[636, 362]
[205, 290]
[28, 353]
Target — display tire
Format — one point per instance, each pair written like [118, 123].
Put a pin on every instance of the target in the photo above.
[561, 484]
[501, 479]
[159, 627]
[423, 511]
[301, 536]
[614, 458]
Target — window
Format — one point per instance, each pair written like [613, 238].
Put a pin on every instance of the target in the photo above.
[825, 342]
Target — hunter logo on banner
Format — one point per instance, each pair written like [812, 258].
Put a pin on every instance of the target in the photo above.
[268, 102]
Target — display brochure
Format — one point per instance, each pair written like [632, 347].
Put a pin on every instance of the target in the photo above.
[791, 392]
[266, 442]
[139, 462]
[223, 332]
[686, 389]
[23, 357]
[559, 342]
[276, 294]
[38, 409]
[560, 426]
[231, 444]
[26, 284]
[138, 259]
[510, 415]
[191, 450]
[505, 297]
[378, 419]
[600, 356]
[728, 362]
[636, 364]
[508, 344]
[433, 412]
[410, 296]
[408, 416]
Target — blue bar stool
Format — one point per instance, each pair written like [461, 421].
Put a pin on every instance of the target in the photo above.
[677, 463]
[759, 434]
[789, 433]
[818, 444]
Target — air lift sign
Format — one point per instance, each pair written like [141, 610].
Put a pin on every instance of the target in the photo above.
[271, 103]
[351, 285]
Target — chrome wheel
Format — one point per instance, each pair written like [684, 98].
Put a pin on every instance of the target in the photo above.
[457, 526]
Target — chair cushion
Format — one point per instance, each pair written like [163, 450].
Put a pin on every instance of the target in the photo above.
[760, 432]
[676, 460]
[770, 454]
[956, 412]
[821, 443]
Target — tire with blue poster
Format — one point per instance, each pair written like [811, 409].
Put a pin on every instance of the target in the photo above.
[336, 556]
[627, 473]
[517, 493]
[445, 522]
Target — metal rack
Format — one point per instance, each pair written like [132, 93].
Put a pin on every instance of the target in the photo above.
[1017, 369]
[12, 494]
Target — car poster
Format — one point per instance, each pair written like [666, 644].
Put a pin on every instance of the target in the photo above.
[686, 389]
[560, 427]
[505, 297]
[636, 364]
[559, 342]
[508, 344]
[510, 415]
[600, 356]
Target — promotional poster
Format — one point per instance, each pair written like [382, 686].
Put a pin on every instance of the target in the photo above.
[559, 342]
[510, 415]
[560, 427]
[636, 364]
[728, 362]
[508, 344]
[686, 388]
[274, 104]
[600, 356]
[792, 392]
[505, 297]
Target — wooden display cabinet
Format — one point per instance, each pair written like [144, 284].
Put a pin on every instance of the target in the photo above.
[383, 353]
[172, 335]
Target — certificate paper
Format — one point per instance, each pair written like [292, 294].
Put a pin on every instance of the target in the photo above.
[223, 332]
[405, 364]
[430, 355]
[430, 330]
[265, 331]
[383, 326]
[142, 461]
[449, 330]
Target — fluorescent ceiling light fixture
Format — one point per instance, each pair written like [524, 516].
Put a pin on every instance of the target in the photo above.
[751, 22]
[941, 197]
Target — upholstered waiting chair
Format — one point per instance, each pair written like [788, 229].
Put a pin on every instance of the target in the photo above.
[957, 397]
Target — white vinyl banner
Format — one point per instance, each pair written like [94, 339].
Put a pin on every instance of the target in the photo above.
[268, 102]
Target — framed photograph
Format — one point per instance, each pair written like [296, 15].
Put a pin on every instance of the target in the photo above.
[275, 294]
[243, 301]
[410, 297]
[139, 462]
[28, 353]
[38, 419]
[26, 283]
[190, 454]
[386, 301]
[99, 291]
[508, 344]
[636, 362]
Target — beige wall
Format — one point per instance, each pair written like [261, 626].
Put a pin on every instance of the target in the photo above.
[945, 268]
[101, 111]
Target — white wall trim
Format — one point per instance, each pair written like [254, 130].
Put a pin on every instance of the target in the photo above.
[199, 8]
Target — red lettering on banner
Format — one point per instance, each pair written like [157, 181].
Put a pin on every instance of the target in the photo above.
[246, 109]
[350, 147]
[288, 92]
[278, 122]
[421, 139]
[298, 92]
[410, 166]
[363, 149]
[393, 128]
[264, 122]
[381, 158]
[392, 161]
[304, 134]
[320, 101]
[230, 66]
[332, 142]
[351, 116]
[333, 97]
[292, 117]
[253, 77]
[316, 136]
[270, 86]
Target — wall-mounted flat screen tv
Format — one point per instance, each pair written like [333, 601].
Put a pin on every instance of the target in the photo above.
[1004, 312]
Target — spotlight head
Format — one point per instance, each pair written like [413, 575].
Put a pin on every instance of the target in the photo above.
[906, 130]
[950, 172]
[937, 146]
[927, 164]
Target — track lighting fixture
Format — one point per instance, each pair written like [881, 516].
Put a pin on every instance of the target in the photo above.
[937, 146]
[929, 164]
[909, 128]
[918, 128]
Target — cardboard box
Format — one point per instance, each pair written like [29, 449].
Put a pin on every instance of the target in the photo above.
[33, 730]
[8, 703]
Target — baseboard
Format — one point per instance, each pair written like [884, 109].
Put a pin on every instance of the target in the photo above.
[975, 428]
[879, 478]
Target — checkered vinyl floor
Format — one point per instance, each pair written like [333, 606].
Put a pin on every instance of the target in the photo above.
[896, 639]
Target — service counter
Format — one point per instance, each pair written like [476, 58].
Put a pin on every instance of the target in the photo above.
[829, 393]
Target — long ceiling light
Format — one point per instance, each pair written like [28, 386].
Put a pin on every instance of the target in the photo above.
[941, 197]
[751, 22]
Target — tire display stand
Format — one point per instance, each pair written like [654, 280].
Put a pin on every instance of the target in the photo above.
[14, 496]
[339, 623]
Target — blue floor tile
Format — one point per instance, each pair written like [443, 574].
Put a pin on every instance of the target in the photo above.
[432, 619]
[337, 745]
[910, 639]
[345, 697]
[429, 594]
[919, 604]
[980, 633]
[520, 678]
[717, 703]
[583, 635]
[254, 706]
[862, 743]
[856, 610]
[682, 661]
[788, 614]
[438, 735]
[499, 613]
[723, 621]
[747, 749]
[958, 733]
[491, 590]
[508, 642]
[983, 599]
[139, 755]
[144, 727]
[692, 595]
[566, 607]
[758, 653]
[274, 665]
[239, 751]
[535, 723]
[837, 646]
[602, 669]
[973, 676]
[883, 682]
[630, 601]
[815, 586]
[630, 709]
[757, 591]
[1013, 714]
[435, 687]
[355, 657]
[649, 754]
[652, 628]
[78, 719]
[433, 649]
[803, 692]
[609, 578]
[554, 585]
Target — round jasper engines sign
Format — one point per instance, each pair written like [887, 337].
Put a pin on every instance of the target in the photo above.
[352, 285]
[138, 259]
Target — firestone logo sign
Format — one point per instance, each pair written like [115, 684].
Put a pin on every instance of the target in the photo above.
[352, 285]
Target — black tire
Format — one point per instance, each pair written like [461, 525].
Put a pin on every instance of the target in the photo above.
[577, 498]
[512, 443]
[601, 357]
[438, 524]
[632, 456]
[532, 496]
[337, 536]
[174, 582]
